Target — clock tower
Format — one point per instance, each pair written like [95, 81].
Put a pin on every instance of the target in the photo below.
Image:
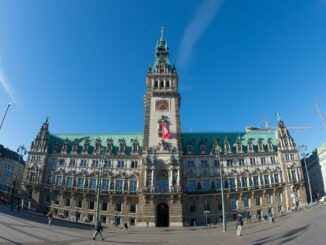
[162, 102]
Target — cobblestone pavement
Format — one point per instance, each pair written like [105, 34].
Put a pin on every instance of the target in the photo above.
[303, 227]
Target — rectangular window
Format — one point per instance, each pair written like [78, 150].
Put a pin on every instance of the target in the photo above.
[252, 161]
[220, 205]
[233, 203]
[273, 160]
[61, 162]
[205, 185]
[276, 179]
[58, 181]
[95, 164]
[67, 202]
[294, 176]
[216, 163]
[190, 164]
[79, 203]
[133, 186]
[121, 164]
[104, 206]
[191, 185]
[263, 160]
[241, 162]
[134, 164]
[107, 164]
[117, 207]
[287, 158]
[192, 206]
[105, 185]
[69, 181]
[81, 183]
[204, 164]
[257, 198]
[56, 199]
[268, 199]
[245, 202]
[90, 204]
[229, 162]
[132, 208]
[244, 182]
[232, 183]
[83, 163]
[93, 184]
[218, 184]
[49, 180]
[119, 185]
[72, 162]
[292, 157]
[266, 179]
[255, 178]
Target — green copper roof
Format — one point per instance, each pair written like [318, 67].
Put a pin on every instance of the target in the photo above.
[208, 137]
[128, 137]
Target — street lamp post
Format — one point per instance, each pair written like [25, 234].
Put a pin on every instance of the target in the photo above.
[302, 149]
[4, 116]
[206, 212]
[218, 158]
[102, 154]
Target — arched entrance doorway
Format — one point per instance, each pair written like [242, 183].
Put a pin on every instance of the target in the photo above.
[162, 215]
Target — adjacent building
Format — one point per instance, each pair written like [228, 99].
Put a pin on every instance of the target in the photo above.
[173, 182]
[316, 165]
[12, 168]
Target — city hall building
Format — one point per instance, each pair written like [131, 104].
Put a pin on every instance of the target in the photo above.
[143, 179]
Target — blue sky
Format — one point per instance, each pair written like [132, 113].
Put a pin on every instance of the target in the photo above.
[83, 64]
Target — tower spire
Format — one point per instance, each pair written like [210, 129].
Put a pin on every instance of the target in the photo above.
[162, 32]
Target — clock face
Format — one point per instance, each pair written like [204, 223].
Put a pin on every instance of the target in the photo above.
[162, 105]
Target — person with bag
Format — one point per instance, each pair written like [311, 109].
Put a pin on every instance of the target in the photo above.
[239, 224]
[98, 229]
[50, 217]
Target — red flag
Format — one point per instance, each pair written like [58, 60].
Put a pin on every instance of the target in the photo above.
[165, 131]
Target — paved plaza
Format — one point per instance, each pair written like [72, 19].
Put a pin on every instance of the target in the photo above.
[304, 227]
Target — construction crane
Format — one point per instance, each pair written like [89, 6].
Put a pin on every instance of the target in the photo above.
[320, 115]
[248, 129]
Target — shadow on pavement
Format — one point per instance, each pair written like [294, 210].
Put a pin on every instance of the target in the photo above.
[42, 219]
[287, 236]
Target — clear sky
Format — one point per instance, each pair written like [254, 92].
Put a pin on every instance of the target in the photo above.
[83, 64]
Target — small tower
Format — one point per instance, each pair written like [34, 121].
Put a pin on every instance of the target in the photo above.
[41, 142]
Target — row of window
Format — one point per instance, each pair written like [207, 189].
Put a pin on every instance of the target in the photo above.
[91, 204]
[234, 203]
[82, 182]
[120, 164]
[161, 84]
[230, 183]
[232, 162]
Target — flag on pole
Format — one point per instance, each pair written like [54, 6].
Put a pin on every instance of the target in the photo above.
[165, 131]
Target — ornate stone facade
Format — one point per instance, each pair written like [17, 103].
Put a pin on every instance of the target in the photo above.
[144, 179]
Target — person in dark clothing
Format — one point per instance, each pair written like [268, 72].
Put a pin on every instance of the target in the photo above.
[239, 224]
[98, 229]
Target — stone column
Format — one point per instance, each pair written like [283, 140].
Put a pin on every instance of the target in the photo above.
[178, 177]
[152, 180]
[145, 178]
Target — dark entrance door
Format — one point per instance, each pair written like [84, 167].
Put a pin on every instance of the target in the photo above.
[162, 215]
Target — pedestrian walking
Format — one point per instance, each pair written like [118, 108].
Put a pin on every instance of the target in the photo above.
[125, 226]
[50, 217]
[239, 224]
[147, 223]
[98, 229]
[270, 218]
